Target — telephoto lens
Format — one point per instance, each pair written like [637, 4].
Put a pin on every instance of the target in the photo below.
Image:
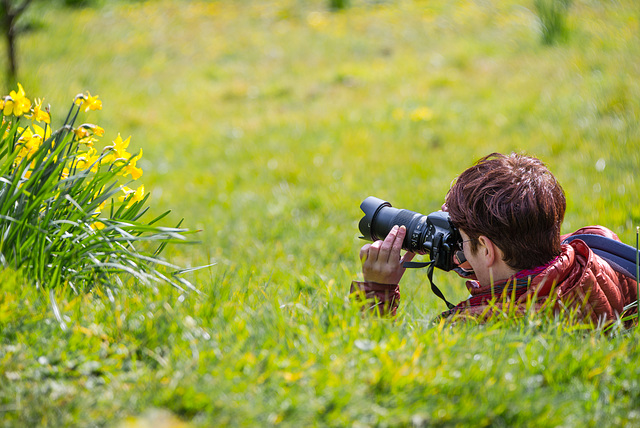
[380, 217]
[433, 234]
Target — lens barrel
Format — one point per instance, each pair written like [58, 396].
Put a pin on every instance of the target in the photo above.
[380, 217]
[433, 234]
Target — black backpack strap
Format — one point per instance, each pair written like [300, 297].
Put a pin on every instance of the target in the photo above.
[621, 257]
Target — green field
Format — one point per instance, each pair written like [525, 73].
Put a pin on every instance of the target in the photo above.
[264, 124]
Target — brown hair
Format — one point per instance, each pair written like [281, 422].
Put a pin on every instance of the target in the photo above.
[516, 202]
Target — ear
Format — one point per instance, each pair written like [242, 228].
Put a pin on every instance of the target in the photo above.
[488, 251]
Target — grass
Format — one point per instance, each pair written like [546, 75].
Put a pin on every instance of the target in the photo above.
[265, 124]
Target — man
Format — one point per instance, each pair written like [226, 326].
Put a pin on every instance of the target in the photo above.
[509, 210]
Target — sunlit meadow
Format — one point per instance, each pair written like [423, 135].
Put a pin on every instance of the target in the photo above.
[264, 124]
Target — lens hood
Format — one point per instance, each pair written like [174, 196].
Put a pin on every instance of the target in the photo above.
[370, 206]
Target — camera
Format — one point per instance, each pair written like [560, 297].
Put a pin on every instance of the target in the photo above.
[433, 234]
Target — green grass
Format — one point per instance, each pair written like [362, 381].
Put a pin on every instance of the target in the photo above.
[265, 124]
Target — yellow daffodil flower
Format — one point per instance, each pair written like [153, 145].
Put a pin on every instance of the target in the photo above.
[118, 149]
[97, 130]
[16, 103]
[39, 114]
[88, 141]
[87, 129]
[132, 196]
[30, 141]
[84, 135]
[88, 159]
[43, 133]
[81, 132]
[88, 102]
[132, 169]
[98, 225]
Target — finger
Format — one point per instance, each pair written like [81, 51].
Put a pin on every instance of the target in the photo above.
[387, 245]
[373, 254]
[397, 244]
[364, 252]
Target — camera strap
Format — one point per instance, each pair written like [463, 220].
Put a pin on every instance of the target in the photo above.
[430, 266]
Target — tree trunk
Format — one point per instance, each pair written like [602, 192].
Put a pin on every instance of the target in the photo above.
[10, 14]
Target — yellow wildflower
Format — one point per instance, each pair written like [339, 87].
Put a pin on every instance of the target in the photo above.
[88, 141]
[89, 159]
[84, 137]
[81, 132]
[132, 169]
[98, 225]
[30, 141]
[38, 132]
[88, 102]
[97, 130]
[84, 134]
[39, 114]
[132, 196]
[16, 103]
[118, 149]
[87, 129]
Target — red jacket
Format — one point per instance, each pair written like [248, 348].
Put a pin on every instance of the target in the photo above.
[577, 280]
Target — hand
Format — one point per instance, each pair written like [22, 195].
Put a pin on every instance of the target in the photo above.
[381, 261]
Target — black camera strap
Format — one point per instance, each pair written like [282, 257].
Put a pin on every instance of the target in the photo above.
[430, 266]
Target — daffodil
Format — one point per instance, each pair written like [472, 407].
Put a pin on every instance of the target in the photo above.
[87, 129]
[97, 130]
[41, 132]
[118, 149]
[81, 132]
[84, 136]
[88, 159]
[30, 138]
[16, 103]
[132, 196]
[39, 114]
[30, 141]
[88, 102]
[98, 225]
[132, 169]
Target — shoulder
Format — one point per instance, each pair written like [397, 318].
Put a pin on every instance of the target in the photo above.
[593, 230]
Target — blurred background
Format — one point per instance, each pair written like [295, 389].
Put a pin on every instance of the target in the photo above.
[264, 124]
